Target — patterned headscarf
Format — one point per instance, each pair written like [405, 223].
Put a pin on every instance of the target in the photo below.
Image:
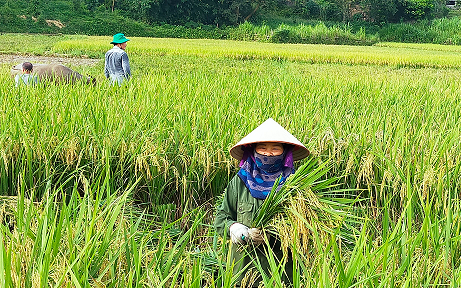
[259, 172]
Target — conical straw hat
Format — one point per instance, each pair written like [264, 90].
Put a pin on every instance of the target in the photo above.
[270, 131]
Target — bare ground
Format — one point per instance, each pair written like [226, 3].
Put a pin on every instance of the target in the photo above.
[16, 59]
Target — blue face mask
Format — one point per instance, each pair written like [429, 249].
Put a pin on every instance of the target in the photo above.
[269, 163]
[260, 172]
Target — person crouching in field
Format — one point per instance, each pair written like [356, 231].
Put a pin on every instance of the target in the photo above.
[26, 78]
[265, 154]
[117, 65]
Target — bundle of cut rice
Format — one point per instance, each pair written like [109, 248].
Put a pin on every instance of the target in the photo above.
[305, 210]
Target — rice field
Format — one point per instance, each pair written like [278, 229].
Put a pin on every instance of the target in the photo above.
[106, 187]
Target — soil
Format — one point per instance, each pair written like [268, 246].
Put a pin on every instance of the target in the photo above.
[16, 59]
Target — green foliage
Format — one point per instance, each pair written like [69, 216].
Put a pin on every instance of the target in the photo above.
[105, 23]
[208, 12]
[306, 34]
[440, 31]
[381, 11]
[307, 179]
[137, 16]
[313, 10]
[419, 9]
[194, 31]
[95, 17]
[250, 32]
[407, 33]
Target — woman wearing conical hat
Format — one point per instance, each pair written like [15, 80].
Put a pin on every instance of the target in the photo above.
[265, 154]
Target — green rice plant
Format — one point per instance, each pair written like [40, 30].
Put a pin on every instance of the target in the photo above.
[154, 131]
[305, 209]
[364, 55]
[305, 178]
[384, 117]
[88, 240]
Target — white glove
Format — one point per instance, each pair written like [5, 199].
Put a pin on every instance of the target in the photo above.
[238, 233]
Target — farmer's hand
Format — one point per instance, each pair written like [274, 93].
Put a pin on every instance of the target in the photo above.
[238, 233]
[256, 236]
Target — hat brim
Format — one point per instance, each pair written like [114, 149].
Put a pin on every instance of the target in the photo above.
[119, 42]
[299, 152]
[270, 131]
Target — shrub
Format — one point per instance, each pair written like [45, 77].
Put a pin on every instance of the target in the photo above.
[320, 34]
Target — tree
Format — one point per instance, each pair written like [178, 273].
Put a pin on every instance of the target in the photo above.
[33, 8]
[77, 5]
[380, 11]
[346, 7]
[385, 11]
[138, 9]
[419, 9]
[93, 4]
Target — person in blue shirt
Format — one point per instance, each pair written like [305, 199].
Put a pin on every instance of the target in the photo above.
[117, 65]
[26, 78]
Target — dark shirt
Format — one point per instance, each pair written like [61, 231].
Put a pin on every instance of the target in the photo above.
[239, 206]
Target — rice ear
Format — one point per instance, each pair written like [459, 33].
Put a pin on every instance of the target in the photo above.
[297, 210]
[303, 179]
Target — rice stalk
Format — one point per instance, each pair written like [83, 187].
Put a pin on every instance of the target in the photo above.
[297, 212]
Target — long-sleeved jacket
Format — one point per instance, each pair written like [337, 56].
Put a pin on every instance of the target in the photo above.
[239, 206]
[117, 63]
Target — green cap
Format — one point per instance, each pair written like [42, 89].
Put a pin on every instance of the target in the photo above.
[119, 38]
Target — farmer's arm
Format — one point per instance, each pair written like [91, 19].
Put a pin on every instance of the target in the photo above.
[126, 65]
[106, 64]
[226, 213]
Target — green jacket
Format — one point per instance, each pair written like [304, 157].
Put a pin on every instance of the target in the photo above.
[239, 206]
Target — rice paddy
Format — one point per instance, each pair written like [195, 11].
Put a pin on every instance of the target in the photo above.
[106, 187]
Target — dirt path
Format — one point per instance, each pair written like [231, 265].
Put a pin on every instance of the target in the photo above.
[16, 59]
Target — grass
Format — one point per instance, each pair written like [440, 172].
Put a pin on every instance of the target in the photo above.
[34, 44]
[386, 118]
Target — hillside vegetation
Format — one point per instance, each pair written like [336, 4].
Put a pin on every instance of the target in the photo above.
[308, 22]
